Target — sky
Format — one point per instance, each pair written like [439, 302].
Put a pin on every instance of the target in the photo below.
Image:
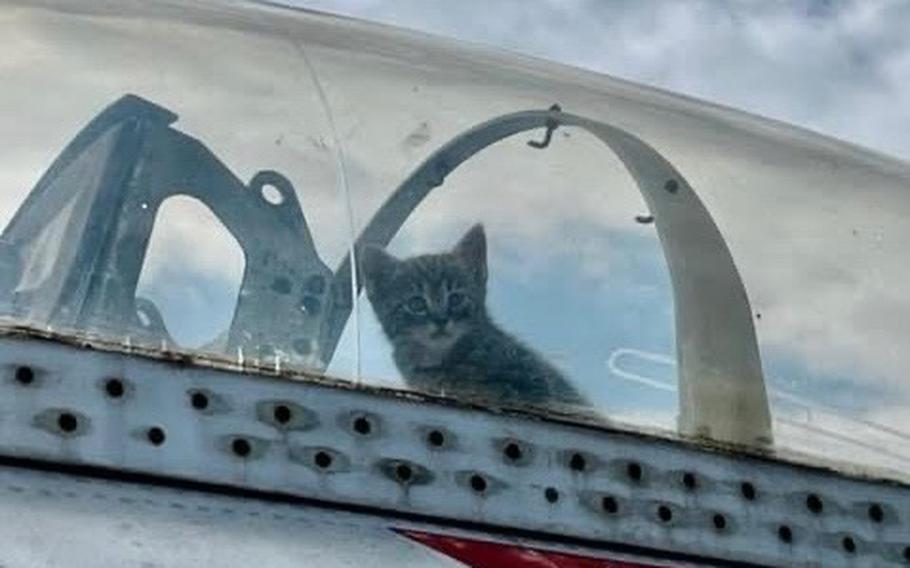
[837, 67]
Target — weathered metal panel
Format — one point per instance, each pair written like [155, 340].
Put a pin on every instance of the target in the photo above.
[61, 521]
[411, 456]
[64, 521]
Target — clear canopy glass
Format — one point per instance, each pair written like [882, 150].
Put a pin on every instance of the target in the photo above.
[199, 178]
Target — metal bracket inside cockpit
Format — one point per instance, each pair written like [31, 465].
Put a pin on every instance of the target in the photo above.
[75, 249]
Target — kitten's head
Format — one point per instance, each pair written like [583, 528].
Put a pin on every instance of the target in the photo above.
[434, 299]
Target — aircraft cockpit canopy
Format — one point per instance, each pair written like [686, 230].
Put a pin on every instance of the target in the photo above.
[313, 197]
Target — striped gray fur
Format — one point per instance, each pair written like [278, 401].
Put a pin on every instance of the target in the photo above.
[432, 308]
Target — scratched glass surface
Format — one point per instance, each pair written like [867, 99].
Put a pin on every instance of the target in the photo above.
[346, 112]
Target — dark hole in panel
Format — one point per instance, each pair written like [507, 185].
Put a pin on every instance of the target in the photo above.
[671, 186]
[114, 388]
[282, 414]
[241, 447]
[404, 473]
[436, 438]
[689, 481]
[155, 435]
[25, 375]
[664, 514]
[199, 401]
[609, 504]
[748, 491]
[876, 513]
[478, 483]
[67, 422]
[322, 459]
[814, 503]
[286, 415]
[578, 462]
[849, 544]
[551, 494]
[362, 426]
[720, 521]
[633, 470]
[512, 451]
[785, 534]
[907, 553]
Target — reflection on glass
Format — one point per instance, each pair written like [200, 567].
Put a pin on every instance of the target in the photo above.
[205, 212]
[192, 318]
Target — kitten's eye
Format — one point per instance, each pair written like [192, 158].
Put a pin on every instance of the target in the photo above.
[456, 300]
[416, 305]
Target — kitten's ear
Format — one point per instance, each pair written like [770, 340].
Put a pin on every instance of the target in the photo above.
[376, 266]
[472, 249]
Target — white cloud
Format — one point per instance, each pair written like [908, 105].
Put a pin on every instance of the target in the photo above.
[839, 67]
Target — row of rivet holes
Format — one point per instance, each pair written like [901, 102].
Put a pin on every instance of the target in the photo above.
[512, 451]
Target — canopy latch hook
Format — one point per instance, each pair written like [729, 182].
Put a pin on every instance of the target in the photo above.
[548, 135]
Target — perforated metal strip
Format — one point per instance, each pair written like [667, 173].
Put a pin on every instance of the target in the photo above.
[65, 403]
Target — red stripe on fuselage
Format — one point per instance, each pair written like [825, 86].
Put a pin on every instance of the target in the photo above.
[488, 554]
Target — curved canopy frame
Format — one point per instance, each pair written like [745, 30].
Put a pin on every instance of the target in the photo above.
[722, 393]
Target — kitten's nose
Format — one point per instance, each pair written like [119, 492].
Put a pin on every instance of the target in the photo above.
[441, 324]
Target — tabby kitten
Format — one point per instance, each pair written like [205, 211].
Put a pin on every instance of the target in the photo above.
[433, 309]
